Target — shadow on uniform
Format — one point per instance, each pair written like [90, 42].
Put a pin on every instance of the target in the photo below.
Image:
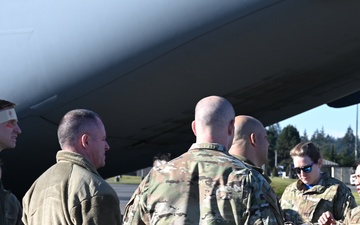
[295, 214]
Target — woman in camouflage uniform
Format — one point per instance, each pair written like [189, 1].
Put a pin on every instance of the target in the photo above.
[315, 197]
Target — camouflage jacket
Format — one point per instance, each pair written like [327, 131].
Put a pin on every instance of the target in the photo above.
[306, 206]
[275, 206]
[353, 217]
[203, 186]
[252, 166]
[10, 208]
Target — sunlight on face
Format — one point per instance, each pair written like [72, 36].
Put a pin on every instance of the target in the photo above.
[357, 173]
[98, 146]
[311, 177]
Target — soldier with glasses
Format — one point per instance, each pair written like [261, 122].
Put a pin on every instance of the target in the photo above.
[315, 197]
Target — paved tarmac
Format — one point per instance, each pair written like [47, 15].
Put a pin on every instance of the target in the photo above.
[124, 192]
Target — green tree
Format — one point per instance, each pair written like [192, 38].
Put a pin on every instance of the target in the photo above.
[347, 154]
[324, 141]
[273, 132]
[332, 156]
[288, 138]
[304, 137]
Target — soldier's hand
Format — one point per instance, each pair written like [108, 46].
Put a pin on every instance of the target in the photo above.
[327, 218]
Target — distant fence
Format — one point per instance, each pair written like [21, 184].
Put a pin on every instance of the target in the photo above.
[342, 173]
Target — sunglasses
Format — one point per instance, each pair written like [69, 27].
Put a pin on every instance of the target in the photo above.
[305, 169]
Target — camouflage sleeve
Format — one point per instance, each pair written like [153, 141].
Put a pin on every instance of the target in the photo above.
[263, 204]
[352, 217]
[135, 210]
[344, 201]
[287, 204]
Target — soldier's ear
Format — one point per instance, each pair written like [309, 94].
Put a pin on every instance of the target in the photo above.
[320, 162]
[231, 128]
[252, 139]
[84, 140]
[193, 127]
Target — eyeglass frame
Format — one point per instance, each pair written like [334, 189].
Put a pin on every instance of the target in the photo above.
[298, 170]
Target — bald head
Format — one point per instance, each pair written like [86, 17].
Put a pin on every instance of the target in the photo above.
[250, 140]
[245, 125]
[214, 116]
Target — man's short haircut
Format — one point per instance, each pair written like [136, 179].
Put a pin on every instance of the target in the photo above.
[76, 123]
[6, 104]
[306, 149]
[247, 126]
[166, 156]
[215, 113]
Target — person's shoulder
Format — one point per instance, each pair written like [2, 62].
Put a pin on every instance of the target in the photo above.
[54, 169]
[337, 187]
[291, 186]
[334, 181]
[11, 200]
[87, 184]
[258, 179]
[253, 176]
[353, 216]
[356, 210]
[289, 193]
[81, 176]
[216, 158]
[256, 174]
[10, 195]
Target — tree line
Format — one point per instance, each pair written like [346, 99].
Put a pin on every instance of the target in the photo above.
[339, 150]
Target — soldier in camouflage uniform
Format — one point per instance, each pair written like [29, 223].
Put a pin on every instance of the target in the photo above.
[315, 197]
[353, 217]
[11, 210]
[250, 145]
[205, 185]
[10, 207]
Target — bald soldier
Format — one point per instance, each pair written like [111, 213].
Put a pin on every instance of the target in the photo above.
[205, 185]
[250, 145]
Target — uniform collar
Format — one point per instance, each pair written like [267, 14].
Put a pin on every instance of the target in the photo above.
[209, 146]
[252, 165]
[245, 160]
[319, 187]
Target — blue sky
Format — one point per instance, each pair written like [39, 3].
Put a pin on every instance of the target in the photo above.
[334, 121]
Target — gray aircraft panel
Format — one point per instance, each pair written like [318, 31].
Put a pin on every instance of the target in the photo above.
[143, 65]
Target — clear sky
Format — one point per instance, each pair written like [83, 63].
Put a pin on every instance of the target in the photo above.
[335, 121]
